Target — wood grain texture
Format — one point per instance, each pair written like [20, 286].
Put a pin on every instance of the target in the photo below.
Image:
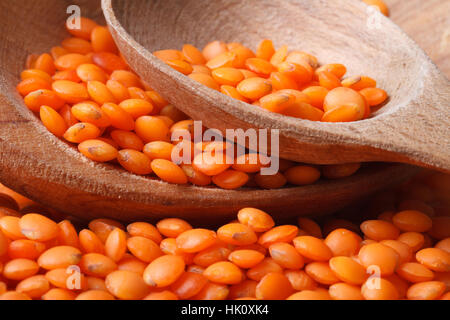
[428, 23]
[44, 168]
[414, 127]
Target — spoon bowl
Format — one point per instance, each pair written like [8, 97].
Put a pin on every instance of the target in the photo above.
[413, 127]
[48, 170]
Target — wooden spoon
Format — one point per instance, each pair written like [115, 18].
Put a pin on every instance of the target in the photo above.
[414, 127]
[46, 169]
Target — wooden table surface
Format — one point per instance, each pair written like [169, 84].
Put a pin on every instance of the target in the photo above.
[428, 23]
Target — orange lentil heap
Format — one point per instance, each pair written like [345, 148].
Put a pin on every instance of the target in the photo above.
[400, 251]
[290, 83]
[84, 93]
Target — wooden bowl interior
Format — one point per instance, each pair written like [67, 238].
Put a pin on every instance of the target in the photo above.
[382, 53]
[40, 28]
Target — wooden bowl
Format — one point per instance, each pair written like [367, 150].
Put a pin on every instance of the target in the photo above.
[46, 169]
[413, 127]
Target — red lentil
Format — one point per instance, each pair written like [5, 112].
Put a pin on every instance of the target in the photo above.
[380, 5]
[116, 244]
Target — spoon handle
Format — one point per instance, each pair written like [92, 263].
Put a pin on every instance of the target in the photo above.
[419, 132]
